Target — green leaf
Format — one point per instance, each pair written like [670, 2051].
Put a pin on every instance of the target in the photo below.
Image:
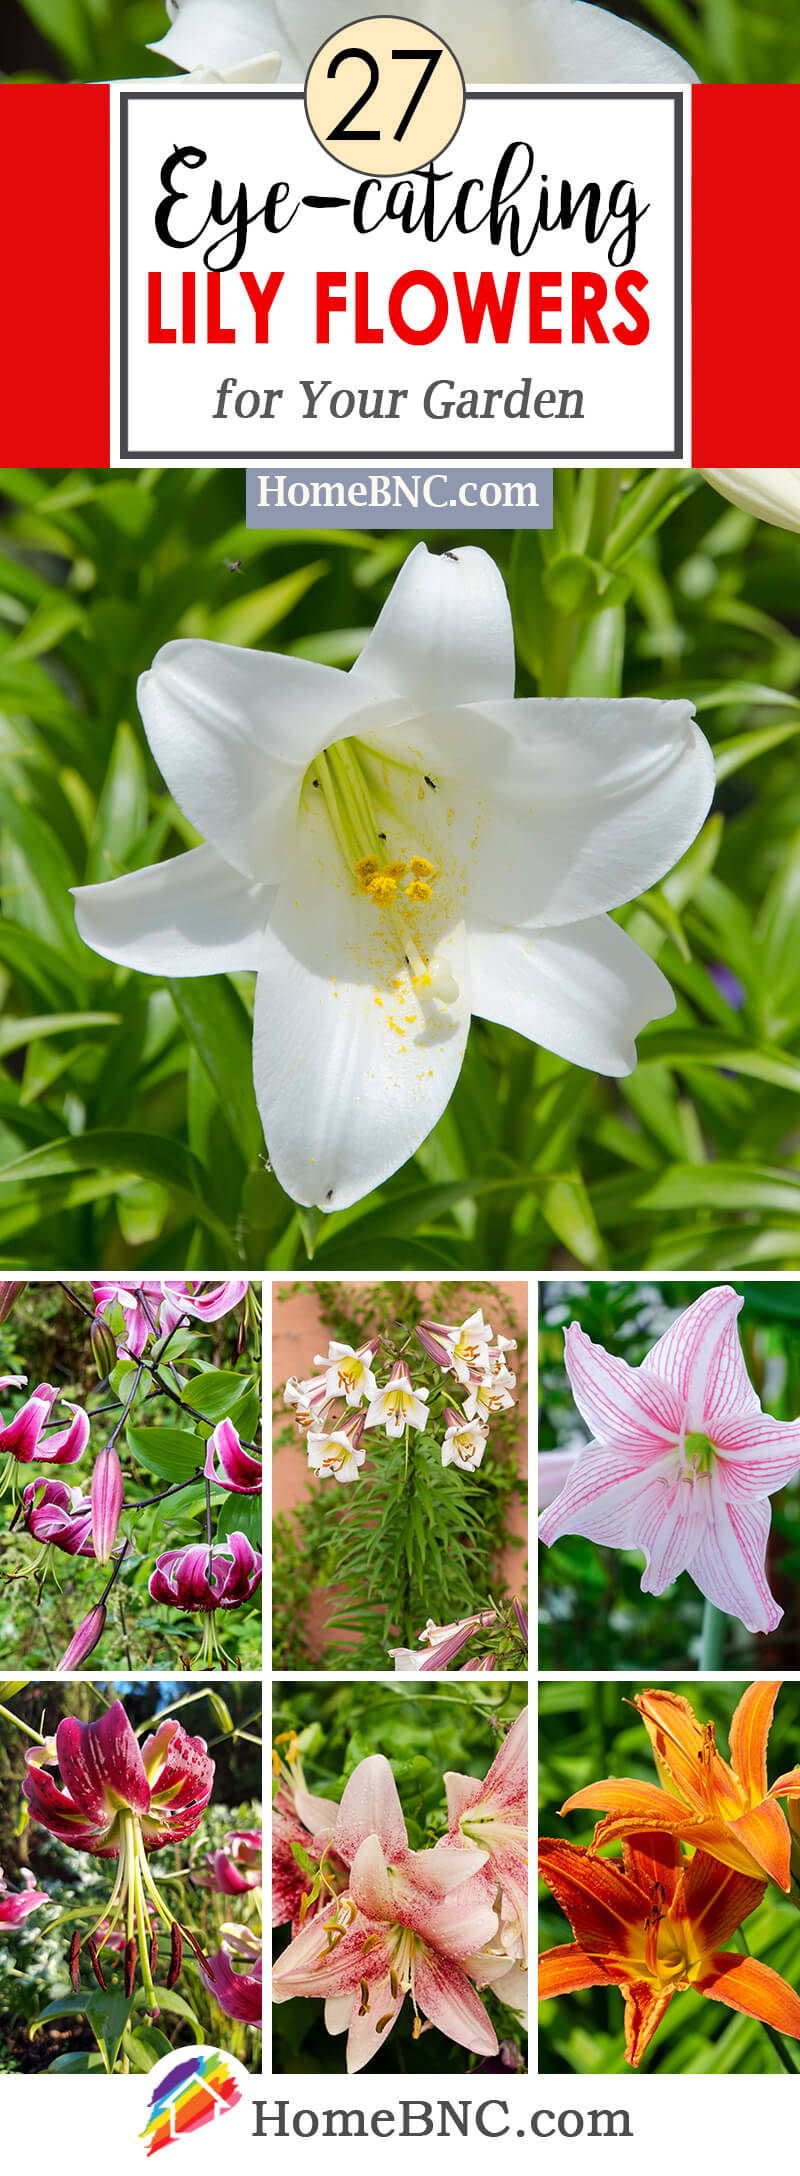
[241, 1515]
[215, 1392]
[53, 618]
[137, 1155]
[171, 1453]
[247, 619]
[221, 1032]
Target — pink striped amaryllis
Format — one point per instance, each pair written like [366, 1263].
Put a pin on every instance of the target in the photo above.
[493, 1814]
[229, 1465]
[237, 1867]
[402, 1927]
[682, 1461]
[16, 1905]
[22, 1438]
[122, 1801]
[55, 1514]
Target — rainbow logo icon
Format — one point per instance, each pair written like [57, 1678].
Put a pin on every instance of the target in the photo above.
[196, 2089]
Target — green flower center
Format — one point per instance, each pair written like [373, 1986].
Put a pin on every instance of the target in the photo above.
[700, 1453]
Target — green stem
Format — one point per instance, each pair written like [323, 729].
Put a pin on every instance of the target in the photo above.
[712, 1638]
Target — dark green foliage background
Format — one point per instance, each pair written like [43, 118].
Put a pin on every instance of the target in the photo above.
[436, 1551]
[423, 1733]
[586, 1733]
[592, 1613]
[128, 1126]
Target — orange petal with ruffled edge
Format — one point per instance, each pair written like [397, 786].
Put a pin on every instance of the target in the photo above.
[715, 1899]
[787, 1786]
[744, 1984]
[564, 1971]
[626, 1796]
[764, 1832]
[748, 1736]
[604, 1909]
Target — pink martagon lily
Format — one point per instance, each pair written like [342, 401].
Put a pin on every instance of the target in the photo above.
[229, 1465]
[196, 1577]
[54, 1513]
[237, 1867]
[403, 1926]
[682, 1461]
[22, 1438]
[240, 1994]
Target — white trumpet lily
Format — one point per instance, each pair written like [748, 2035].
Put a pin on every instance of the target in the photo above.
[771, 494]
[394, 848]
[515, 41]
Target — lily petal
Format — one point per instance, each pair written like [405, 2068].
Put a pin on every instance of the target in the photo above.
[204, 34]
[743, 1983]
[195, 915]
[625, 1406]
[728, 1566]
[568, 1968]
[448, 1998]
[700, 1355]
[749, 1733]
[370, 1807]
[444, 634]
[584, 992]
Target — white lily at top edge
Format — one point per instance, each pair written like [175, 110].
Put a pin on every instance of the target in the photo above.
[395, 848]
[514, 41]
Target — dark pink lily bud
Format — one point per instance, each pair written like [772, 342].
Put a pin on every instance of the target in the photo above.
[108, 1490]
[84, 1640]
[9, 1292]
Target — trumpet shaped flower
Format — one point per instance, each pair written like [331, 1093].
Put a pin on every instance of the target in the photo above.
[307, 1398]
[334, 1450]
[726, 1809]
[441, 1644]
[22, 1439]
[655, 1927]
[141, 1306]
[517, 41]
[489, 1395]
[461, 1349]
[772, 494]
[402, 1927]
[229, 1465]
[397, 847]
[348, 1371]
[464, 1441]
[399, 1405]
[682, 1461]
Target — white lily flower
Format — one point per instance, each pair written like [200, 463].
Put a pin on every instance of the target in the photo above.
[491, 1395]
[395, 848]
[336, 1454]
[464, 1442]
[306, 1398]
[772, 494]
[348, 1373]
[399, 1406]
[514, 41]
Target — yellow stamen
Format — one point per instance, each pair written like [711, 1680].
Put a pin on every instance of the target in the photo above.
[366, 870]
[420, 867]
[420, 892]
[382, 890]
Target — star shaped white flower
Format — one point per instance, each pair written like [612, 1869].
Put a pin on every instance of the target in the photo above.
[395, 848]
[514, 41]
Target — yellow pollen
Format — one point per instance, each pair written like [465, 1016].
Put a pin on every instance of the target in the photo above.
[382, 890]
[366, 871]
[420, 867]
[418, 891]
[394, 869]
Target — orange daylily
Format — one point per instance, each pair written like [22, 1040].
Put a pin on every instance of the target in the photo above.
[652, 1927]
[725, 1809]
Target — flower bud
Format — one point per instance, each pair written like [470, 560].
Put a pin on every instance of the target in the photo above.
[104, 1347]
[84, 1640]
[9, 1292]
[107, 1493]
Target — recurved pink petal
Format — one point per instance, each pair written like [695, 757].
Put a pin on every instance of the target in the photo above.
[370, 1806]
[66, 1444]
[759, 1454]
[370, 1887]
[606, 1496]
[626, 1407]
[21, 1436]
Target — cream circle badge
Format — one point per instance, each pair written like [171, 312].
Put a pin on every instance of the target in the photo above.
[384, 95]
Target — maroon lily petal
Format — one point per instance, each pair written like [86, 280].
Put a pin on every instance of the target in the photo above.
[101, 1764]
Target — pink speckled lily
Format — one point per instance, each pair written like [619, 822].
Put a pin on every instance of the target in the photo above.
[121, 1801]
[402, 1927]
[682, 1461]
[22, 1440]
[398, 1406]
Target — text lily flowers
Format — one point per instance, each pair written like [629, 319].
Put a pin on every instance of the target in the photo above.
[395, 848]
